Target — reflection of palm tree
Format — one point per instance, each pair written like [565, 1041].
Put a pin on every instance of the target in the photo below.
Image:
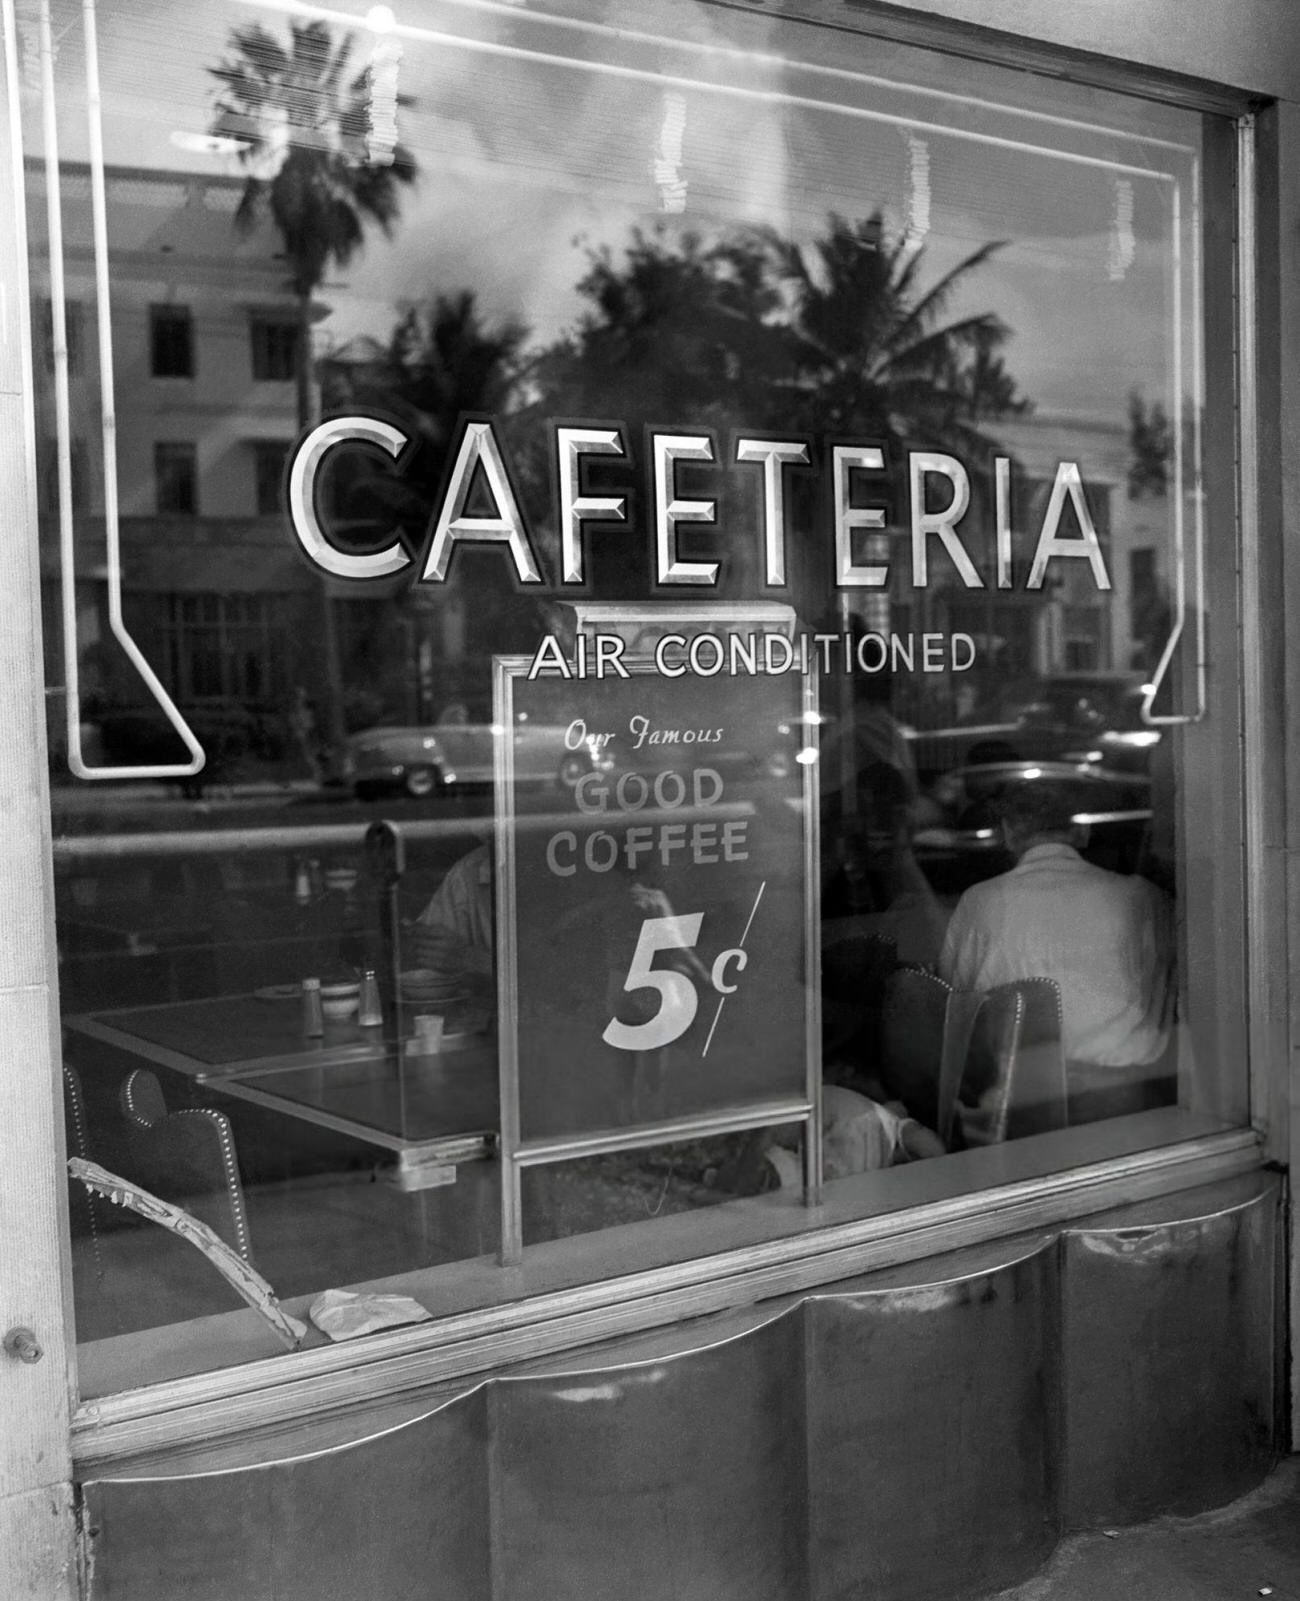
[304, 149]
[873, 357]
[303, 133]
[839, 337]
[442, 361]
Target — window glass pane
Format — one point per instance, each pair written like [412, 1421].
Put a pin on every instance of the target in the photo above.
[269, 458]
[176, 482]
[274, 348]
[738, 672]
[171, 342]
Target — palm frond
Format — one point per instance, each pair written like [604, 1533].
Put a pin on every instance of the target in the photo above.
[290, 105]
[931, 304]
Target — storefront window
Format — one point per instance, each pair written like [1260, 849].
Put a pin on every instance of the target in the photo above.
[718, 703]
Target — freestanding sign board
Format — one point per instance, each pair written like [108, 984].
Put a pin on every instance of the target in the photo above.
[656, 936]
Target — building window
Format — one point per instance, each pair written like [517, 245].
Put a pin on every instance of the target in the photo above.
[75, 327]
[269, 457]
[274, 344]
[176, 477]
[1083, 638]
[171, 342]
[222, 647]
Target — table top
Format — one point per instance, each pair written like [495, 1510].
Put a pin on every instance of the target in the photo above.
[362, 1081]
[443, 1105]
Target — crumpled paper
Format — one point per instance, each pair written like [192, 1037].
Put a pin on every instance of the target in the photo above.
[345, 1314]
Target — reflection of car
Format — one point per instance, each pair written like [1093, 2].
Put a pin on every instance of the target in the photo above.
[457, 750]
[1070, 717]
[963, 843]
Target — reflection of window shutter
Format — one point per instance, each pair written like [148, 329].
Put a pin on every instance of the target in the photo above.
[269, 457]
[274, 348]
[171, 341]
[176, 474]
[224, 647]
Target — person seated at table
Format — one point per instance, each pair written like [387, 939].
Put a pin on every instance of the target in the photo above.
[454, 934]
[1104, 938]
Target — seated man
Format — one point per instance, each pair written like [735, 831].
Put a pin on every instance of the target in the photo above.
[1104, 938]
[453, 935]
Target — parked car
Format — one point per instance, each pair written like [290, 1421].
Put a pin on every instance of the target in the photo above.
[1068, 717]
[963, 842]
[458, 750]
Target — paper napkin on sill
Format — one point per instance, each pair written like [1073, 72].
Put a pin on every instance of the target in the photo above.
[345, 1314]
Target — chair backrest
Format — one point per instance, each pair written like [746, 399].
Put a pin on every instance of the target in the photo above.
[912, 1040]
[1013, 1081]
[855, 971]
[83, 1207]
[187, 1157]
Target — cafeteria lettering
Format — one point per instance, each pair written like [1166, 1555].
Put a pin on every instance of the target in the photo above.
[479, 461]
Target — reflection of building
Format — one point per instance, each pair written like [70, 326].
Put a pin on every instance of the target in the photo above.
[1069, 625]
[1073, 625]
[202, 327]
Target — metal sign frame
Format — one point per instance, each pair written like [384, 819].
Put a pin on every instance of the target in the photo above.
[517, 1153]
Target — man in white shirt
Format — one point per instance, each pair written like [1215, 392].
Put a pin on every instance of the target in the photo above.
[1105, 938]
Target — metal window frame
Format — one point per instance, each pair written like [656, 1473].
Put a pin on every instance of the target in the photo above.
[230, 1401]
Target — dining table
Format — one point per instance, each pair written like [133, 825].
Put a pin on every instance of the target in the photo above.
[433, 1109]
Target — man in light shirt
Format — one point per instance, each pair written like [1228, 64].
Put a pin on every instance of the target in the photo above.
[1104, 938]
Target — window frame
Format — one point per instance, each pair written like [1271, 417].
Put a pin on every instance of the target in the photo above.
[230, 1401]
[227, 636]
[265, 353]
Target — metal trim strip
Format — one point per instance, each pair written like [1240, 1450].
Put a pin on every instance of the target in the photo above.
[279, 1390]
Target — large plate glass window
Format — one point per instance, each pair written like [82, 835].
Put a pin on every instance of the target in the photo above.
[698, 554]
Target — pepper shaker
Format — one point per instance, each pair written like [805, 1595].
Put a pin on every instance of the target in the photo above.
[370, 1014]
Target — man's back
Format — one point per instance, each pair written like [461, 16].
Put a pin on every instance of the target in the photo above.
[1103, 937]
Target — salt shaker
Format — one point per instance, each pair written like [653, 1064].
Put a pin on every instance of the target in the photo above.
[313, 1016]
[370, 1013]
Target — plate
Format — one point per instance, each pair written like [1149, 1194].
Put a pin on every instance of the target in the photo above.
[429, 998]
[424, 984]
[279, 992]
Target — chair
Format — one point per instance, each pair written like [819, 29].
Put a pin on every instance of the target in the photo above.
[977, 1067]
[187, 1157]
[1013, 1080]
[913, 1029]
[83, 1207]
[855, 974]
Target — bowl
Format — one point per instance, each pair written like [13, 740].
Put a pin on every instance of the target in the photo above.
[338, 1001]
